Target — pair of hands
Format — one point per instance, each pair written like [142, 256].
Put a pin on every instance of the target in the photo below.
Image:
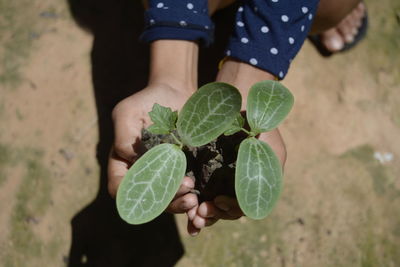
[130, 116]
[173, 79]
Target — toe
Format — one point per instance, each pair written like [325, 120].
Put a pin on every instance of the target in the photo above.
[332, 40]
[345, 29]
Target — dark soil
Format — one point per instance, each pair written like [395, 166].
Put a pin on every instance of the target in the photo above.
[212, 166]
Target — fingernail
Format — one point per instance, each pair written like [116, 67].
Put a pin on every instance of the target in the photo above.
[194, 233]
[336, 44]
[191, 214]
[222, 206]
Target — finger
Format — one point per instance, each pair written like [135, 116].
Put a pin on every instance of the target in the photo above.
[200, 222]
[208, 209]
[183, 203]
[117, 168]
[230, 206]
[127, 129]
[192, 230]
[207, 215]
[185, 187]
[192, 213]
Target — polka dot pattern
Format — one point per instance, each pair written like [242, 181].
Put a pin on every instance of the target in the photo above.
[267, 33]
[253, 61]
[264, 29]
[274, 51]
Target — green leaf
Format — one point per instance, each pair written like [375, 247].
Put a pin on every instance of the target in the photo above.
[258, 178]
[151, 183]
[163, 118]
[208, 113]
[268, 104]
[155, 129]
[236, 126]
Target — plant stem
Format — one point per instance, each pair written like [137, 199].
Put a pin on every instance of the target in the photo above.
[177, 140]
[247, 132]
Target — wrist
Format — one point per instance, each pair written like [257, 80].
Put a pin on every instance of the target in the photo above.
[174, 62]
[242, 76]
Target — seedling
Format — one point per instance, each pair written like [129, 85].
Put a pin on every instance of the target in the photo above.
[214, 110]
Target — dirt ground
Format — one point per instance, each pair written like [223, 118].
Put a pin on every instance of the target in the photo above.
[341, 198]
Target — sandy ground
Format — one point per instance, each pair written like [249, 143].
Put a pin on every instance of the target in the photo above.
[341, 198]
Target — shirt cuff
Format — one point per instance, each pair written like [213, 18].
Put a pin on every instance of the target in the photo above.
[177, 24]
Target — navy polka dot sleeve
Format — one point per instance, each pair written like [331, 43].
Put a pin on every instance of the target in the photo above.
[268, 33]
[178, 20]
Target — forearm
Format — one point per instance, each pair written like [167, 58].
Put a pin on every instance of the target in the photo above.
[174, 62]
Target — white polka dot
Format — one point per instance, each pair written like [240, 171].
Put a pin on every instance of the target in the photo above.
[160, 5]
[244, 40]
[183, 23]
[275, 1]
[206, 27]
[152, 21]
[240, 9]
[281, 74]
[165, 7]
[190, 6]
[302, 28]
[240, 24]
[273, 51]
[255, 9]
[194, 11]
[304, 9]
[310, 17]
[264, 29]
[291, 40]
[253, 61]
[228, 52]
[284, 18]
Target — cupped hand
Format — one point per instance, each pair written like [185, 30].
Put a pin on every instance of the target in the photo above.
[130, 116]
[225, 207]
[242, 76]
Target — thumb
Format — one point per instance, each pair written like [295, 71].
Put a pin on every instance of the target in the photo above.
[127, 129]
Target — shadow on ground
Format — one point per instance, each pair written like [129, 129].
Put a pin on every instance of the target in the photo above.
[119, 67]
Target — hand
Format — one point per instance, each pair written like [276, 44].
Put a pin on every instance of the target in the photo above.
[130, 116]
[227, 208]
[242, 76]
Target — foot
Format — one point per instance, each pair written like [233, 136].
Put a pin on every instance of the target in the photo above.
[344, 33]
